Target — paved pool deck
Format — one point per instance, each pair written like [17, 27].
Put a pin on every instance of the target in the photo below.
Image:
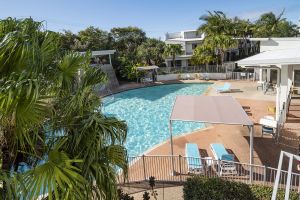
[234, 138]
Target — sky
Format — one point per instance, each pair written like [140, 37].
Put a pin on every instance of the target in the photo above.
[155, 17]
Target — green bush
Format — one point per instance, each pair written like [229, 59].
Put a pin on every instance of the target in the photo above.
[265, 193]
[218, 189]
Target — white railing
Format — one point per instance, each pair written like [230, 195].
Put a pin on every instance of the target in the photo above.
[241, 76]
[173, 35]
[142, 167]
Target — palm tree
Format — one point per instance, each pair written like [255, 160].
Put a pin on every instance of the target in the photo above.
[172, 50]
[218, 30]
[203, 54]
[48, 113]
[267, 24]
[221, 43]
[215, 22]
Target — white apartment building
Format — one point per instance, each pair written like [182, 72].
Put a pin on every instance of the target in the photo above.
[189, 41]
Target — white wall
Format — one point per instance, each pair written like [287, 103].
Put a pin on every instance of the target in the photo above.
[279, 43]
[211, 76]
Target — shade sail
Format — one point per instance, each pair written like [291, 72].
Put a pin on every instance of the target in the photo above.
[209, 109]
[275, 57]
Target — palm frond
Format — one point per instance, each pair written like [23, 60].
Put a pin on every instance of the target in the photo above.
[57, 178]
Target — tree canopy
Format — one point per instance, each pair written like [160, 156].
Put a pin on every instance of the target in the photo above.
[151, 52]
[172, 50]
[51, 121]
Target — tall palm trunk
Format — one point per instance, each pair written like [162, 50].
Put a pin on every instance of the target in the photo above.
[173, 61]
[6, 153]
[7, 160]
[222, 54]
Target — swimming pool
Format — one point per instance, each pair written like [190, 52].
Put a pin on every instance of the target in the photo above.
[147, 111]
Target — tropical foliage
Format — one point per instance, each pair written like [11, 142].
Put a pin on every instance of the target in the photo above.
[131, 72]
[131, 45]
[199, 187]
[203, 54]
[270, 25]
[127, 40]
[172, 50]
[218, 29]
[223, 33]
[151, 52]
[51, 121]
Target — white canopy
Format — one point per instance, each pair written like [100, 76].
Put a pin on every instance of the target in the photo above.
[209, 109]
[275, 57]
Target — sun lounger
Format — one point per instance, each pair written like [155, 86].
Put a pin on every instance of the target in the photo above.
[225, 164]
[269, 125]
[193, 158]
[225, 88]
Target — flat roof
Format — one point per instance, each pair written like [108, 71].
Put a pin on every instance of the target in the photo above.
[209, 109]
[273, 57]
[185, 39]
[276, 39]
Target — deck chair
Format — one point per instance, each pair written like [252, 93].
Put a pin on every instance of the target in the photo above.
[225, 88]
[193, 158]
[225, 164]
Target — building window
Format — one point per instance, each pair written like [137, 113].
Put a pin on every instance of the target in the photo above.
[178, 63]
[297, 78]
[273, 76]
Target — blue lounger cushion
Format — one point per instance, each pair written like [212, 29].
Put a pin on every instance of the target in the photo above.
[225, 87]
[221, 153]
[193, 155]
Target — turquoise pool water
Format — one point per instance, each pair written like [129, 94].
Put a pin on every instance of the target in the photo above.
[147, 111]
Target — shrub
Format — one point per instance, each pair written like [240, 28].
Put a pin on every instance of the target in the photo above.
[215, 188]
[131, 73]
[124, 196]
[265, 193]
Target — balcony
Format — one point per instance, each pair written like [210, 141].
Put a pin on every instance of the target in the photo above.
[175, 35]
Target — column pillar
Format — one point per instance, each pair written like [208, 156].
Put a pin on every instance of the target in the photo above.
[260, 74]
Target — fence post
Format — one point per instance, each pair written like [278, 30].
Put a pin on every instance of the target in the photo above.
[219, 168]
[265, 174]
[180, 168]
[144, 167]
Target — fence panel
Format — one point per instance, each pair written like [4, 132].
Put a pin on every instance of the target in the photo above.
[241, 76]
[179, 168]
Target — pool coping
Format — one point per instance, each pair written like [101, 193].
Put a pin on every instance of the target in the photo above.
[161, 83]
[207, 126]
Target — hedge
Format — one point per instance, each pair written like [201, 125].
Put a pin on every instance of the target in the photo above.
[197, 187]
